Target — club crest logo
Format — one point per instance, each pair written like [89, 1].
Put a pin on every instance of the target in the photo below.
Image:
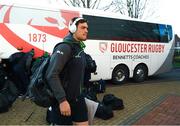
[103, 46]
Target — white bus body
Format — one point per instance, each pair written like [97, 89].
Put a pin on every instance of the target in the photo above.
[121, 47]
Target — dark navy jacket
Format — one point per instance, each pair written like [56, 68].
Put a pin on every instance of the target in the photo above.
[65, 73]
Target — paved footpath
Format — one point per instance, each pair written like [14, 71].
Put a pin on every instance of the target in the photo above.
[145, 104]
[167, 113]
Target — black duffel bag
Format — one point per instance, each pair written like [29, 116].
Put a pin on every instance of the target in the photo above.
[114, 102]
[8, 95]
[104, 112]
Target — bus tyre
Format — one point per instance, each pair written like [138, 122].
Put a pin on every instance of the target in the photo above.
[120, 75]
[140, 73]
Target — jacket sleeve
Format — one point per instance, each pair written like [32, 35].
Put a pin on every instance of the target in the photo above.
[59, 58]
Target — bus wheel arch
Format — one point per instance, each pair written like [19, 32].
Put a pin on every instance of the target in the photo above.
[140, 72]
[120, 74]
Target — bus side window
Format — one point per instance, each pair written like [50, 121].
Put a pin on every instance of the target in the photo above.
[170, 34]
[163, 33]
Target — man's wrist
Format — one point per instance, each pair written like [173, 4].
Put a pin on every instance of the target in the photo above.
[62, 100]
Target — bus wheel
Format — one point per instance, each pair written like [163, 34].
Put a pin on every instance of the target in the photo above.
[140, 73]
[120, 75]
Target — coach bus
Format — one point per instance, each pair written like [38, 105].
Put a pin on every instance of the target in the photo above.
[122, 47]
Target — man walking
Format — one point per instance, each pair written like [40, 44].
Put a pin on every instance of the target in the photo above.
[65, 74]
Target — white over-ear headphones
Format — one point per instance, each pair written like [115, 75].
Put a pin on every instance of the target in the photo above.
[72, 25]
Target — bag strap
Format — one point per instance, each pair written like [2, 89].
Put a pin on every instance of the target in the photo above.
[73, 49]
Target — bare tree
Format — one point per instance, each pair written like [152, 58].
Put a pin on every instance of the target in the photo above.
[132, 8]
[141, 9]
[93, 4]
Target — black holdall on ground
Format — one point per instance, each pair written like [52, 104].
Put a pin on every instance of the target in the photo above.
[112, 101]
[104, 112]
[16, 57]
[19, 64]
[8, 95]
[8, 90]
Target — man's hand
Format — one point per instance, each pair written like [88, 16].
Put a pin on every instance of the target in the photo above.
[65, 108]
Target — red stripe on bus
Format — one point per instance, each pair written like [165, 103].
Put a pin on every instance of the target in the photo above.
[68, 15]
[17, 42]
[55, 31]
[7, 15]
